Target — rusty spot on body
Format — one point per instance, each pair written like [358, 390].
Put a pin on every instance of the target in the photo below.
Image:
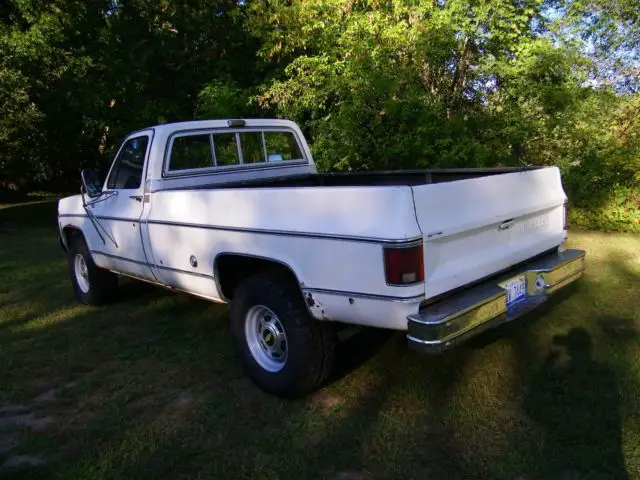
[315, 307]
[310, 300]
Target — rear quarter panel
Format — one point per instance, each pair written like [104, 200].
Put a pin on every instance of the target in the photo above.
[331, 238]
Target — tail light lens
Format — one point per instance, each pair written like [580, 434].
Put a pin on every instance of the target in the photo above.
[404, 265]
[564, 214]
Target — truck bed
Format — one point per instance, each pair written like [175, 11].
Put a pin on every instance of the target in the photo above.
[472, 223]
[375, 178]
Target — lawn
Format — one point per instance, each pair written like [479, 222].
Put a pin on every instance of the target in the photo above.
[149, 386]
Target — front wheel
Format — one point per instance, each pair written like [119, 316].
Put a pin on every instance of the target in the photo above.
[91, 284]
[283, 348]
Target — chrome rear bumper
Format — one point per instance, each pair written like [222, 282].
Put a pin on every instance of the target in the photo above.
[455, 319]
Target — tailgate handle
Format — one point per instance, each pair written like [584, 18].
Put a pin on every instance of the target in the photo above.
[506, 224]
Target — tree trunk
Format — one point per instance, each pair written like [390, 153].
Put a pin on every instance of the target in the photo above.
[459, 77]
[105, 131]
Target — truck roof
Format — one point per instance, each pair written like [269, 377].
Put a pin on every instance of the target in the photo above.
[168, 128]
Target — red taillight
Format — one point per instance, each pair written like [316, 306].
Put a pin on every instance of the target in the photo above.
[404, 265]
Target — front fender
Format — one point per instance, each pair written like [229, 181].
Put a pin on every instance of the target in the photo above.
[62, 244]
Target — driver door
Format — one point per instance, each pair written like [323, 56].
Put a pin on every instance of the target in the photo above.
[120, 212]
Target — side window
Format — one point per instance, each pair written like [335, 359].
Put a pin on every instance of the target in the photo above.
[252, 151]
[193, 151]
[281, 146]
[128, 165]
[226, 149]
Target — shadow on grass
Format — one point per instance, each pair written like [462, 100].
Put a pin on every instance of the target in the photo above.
[42, 213]
[320, 436]
[357, 350]
[576, 402]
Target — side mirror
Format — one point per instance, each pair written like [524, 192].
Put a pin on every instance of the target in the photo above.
[91, 183]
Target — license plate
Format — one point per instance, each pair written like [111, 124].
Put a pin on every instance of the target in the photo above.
[516, 289]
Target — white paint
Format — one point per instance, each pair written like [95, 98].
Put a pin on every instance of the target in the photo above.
[469, 214]
[295, 226]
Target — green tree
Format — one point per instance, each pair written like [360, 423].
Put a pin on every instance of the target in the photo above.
[406, 84]
[76, 76]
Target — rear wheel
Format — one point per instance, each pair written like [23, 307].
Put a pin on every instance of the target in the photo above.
[91, 284]
[283, 348]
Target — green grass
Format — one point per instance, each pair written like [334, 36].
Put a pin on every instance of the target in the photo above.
[149, 387]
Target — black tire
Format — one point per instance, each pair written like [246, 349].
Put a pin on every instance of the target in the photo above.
[102, 284]
[310, 343]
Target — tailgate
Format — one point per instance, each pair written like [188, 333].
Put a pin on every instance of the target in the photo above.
[476, 227]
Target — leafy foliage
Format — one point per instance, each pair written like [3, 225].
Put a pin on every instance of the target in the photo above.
[76, 76]
[375, 85]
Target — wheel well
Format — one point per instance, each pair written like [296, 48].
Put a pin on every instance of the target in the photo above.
[69, 232]
[231, 269]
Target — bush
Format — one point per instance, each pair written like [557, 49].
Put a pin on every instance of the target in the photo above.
[619, 213]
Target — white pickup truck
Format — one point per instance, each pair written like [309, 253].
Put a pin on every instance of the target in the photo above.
[235, 211]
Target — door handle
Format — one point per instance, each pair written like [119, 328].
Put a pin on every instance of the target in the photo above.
[506, 224]
[137, 198]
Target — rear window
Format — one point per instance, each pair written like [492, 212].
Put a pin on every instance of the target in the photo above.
[191, 152]
[252, 148]
[281, 146]
[224, 149]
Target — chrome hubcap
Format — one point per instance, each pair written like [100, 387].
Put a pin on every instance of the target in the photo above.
[82, 274]
[266, 338]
